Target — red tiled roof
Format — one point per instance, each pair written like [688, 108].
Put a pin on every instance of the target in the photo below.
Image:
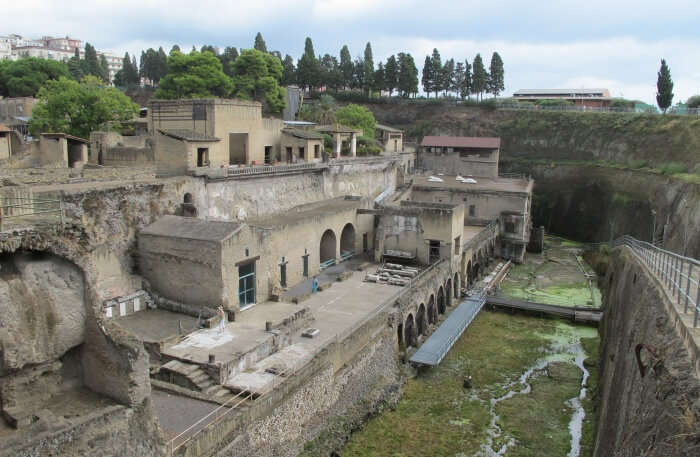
[480, 142]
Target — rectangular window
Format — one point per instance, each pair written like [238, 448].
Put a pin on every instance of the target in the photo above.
[365, 244]
[510, 227]
[289, 154]
[457, 242]
[434, 253]
[268, 154]
[301, 153]
[246, 285]
[317, 151]
[472, 210]
[306, 264]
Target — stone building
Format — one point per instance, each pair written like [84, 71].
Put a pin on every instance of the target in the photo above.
[469, 156]
[60, 150]
[390, 137]
[299, 145]
[5, 142]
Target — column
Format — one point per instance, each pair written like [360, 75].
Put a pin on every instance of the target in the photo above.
[353, 145]
[338, 144]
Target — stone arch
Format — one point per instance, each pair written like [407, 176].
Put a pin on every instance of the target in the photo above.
[409, 331]
[441, 300]
[347, 239]
[187, 198]
[456, 286]
[432, 315]
[328, 246]
[448, 292]
[421, 320]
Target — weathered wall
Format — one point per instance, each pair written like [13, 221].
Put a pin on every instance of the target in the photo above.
[658, 414]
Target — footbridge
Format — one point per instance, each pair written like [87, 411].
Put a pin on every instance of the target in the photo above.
[576, 313]
[441, 341]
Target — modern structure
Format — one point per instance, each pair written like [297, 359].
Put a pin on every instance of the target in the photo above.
[591, 98]
[460, 155]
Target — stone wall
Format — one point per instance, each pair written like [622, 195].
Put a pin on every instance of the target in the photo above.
[657, 414]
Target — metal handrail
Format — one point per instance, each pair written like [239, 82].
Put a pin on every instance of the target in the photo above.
[678, 273]
[255, 170]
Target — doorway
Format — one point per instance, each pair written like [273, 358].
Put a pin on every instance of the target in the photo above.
[238, 148]
[246, 285]
[202, 157]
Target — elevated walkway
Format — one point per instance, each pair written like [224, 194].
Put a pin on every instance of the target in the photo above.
[576, 313]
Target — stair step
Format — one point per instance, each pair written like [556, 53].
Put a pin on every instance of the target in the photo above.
[198, 378]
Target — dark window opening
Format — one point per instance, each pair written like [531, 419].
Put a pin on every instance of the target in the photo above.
[199, 113]
[365, 243]
[472, 210]
[305, 257]
[268, 154]
[202, 157]
[317, 151]
[457, 241]
[434, 253]
[283, 273]
[289, 154]
[510, 227]
[301, 153]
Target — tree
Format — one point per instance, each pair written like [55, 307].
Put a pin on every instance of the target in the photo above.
[358, 79]
[24, 77]
[346, 66]
[693, 102]
[391, 74]
[78, 108]
[194, 75]
[378, 79]
[260, 43]
[162, 65]
[209, 48]
[330, 74]
[368, 69]
[664, 87]
[497, 75]
[307, 67]
[174, 48]
[465, 90]
[128, 76]
[408, 75]
[448, 76]
[479, 77]
[357, 116]
[256, 76]
[227, 58]
[76, 66]
[459, 78]
[104, 69]
[288, 71]
[92, 63]
[427, 79]
[437, 72]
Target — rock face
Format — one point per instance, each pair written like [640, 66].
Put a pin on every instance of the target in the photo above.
[42, 306]
[656, 414]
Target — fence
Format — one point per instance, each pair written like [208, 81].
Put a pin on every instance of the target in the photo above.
[681, 275]
[271, 169]
[23, 209]
[589, 109]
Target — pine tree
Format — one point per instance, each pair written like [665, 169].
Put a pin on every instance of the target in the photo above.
[391, 74]
[459, 79]
[175, 48]
[497, 75]
[368, 69]
[92, 63]
[448, 76]
[427, 79]
[378, 79]
[260, 43]
[134, 72]
[437, 72]
[479, 77]
[664, 87]
[466, 89]
[307, 67]
[346, 66]
[209, 48]
[162, 65]
[227, 57]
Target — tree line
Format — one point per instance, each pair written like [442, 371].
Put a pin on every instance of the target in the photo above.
[462, 78]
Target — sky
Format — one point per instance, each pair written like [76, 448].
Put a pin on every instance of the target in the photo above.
[614, 44]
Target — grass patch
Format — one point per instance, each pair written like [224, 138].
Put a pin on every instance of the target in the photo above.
[673, 168]
[539, 421]
[436, 416]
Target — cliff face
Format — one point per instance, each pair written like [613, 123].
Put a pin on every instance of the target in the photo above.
[657, 413]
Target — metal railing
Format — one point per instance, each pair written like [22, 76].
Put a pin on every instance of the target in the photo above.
[590, 109]
[14, 209]
[489, 231]
[679, 274]
[271, 169]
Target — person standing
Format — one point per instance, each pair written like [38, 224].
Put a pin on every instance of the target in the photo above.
[222, 318]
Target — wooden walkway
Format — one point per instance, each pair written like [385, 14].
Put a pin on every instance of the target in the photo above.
[575, 313]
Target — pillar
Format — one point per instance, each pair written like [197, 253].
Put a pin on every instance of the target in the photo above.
[353, 145]
[338, 144]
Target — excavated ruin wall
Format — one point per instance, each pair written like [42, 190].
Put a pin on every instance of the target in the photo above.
[658, 414]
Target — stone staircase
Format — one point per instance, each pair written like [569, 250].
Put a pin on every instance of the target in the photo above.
[191, 376]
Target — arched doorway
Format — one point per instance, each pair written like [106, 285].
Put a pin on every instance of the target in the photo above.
[456, 285]
[399, 334]
[432, 316]
[441, 300]
[347, 241]
[327, 251]
[448, 292]
[420, 320]
[470, 275]
[409, 331]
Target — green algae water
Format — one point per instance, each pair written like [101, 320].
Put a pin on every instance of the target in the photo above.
[534, 382]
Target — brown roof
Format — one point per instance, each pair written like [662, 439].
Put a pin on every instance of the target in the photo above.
[65, 135]
[188, 135]
[304, 134]
[481, 142]
[3, 128]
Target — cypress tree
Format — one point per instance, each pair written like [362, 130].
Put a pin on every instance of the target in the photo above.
[307, 67]
[479, 77]
[427, 79]
[664, 87]
[391, 74]
[368, 67]
[437, 72]
[92, 63]
[497, 75]
[346, 66]
[260, 43]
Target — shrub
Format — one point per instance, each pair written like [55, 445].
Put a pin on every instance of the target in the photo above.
[693, 102]
[638, 163]
[673, 168]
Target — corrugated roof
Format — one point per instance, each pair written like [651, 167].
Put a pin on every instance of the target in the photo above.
[192, 228]
[305, 134]
[67, 136]
[388, 129]
[337, 128]
[187, 135]
[481, 142]
[560, 91]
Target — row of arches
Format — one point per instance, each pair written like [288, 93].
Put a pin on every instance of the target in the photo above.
[328, 244]
[475, 268]
[427, 315]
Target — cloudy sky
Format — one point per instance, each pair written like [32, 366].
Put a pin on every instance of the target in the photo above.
[616, 44]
